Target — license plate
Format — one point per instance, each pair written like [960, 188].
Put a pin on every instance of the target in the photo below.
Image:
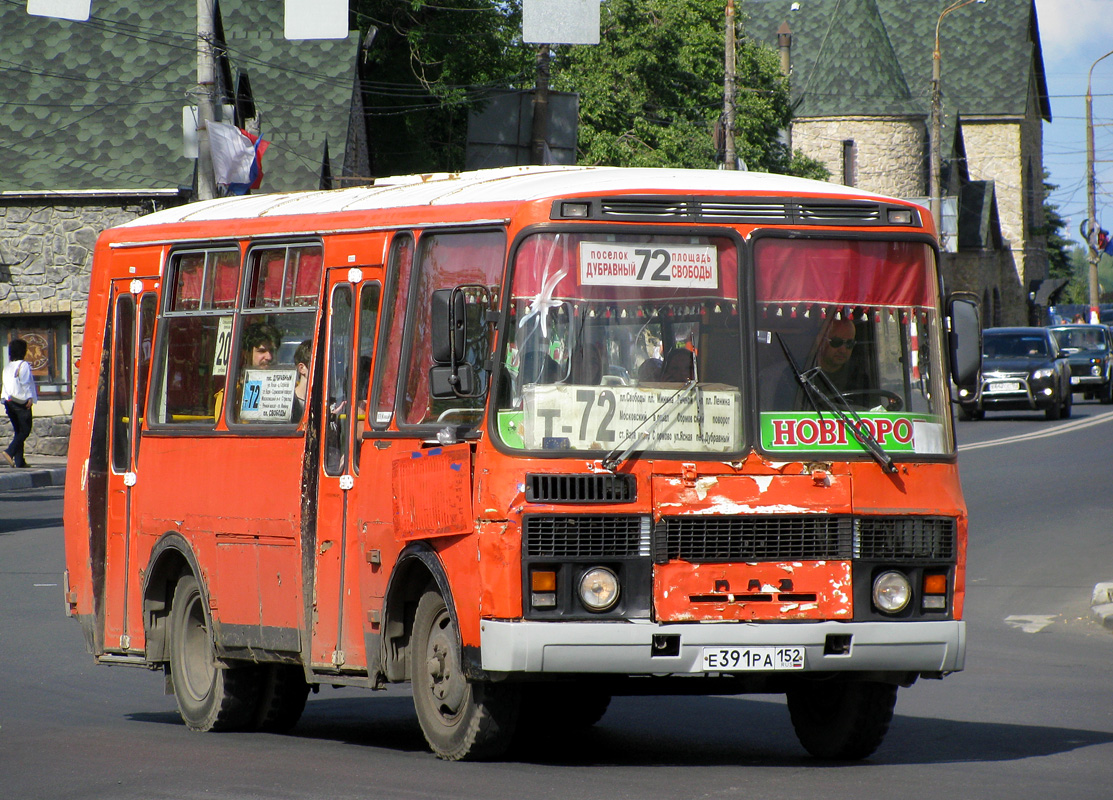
[1010, 386]
[750, 659]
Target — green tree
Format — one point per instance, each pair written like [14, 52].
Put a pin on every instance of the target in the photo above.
[651, 91]
[427, 66]
[1058, 245]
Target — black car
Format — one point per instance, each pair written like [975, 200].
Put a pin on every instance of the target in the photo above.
[1089, 350]
[1022, 369]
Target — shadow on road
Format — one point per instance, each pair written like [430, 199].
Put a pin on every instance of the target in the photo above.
[696, 731]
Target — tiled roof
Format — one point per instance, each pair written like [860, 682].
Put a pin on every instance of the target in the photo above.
[98, 104]
[873, 57]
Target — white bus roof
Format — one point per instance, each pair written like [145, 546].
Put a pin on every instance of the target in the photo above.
[507, 184]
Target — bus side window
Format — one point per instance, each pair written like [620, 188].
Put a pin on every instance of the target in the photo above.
[275, 334]
[196, 337]
[368, 318]
[396, 292]
[448, 260]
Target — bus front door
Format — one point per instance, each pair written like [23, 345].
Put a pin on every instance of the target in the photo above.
[337, 630]
[134, 307]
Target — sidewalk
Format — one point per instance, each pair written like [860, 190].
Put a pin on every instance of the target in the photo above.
[44, 471]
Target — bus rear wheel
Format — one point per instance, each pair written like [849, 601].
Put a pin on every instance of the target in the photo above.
[461, 719]
[841, 720]
[210, 696]
[283, 692]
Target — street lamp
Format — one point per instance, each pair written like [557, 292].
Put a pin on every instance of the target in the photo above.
[1091, 200]
[937, 119]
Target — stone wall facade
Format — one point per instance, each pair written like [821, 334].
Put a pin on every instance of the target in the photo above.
[46, 252]
[1011, 155]
[890, 153]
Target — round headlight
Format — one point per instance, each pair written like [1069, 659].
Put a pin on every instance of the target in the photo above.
[891, 592]
[599, 589]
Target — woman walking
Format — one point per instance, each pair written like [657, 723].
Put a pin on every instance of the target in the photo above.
[19, 394]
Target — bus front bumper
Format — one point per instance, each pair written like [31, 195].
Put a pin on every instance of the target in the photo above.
[629, 647]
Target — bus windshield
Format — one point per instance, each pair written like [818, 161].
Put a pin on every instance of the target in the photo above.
[849, 326]
[617, 339]
[621, 341]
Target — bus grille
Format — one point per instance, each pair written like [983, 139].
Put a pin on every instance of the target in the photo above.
[584, 535]
[804, 538]
[890, 538]
[548, 488]
[753, 210]
[755, 538]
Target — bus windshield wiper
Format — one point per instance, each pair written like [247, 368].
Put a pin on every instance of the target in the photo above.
[820, 398]
[655, 420]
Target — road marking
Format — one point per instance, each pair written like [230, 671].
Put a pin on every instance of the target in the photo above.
[1033, 623]
[1066, 427]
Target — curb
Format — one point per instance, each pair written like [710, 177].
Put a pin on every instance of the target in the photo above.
[1101, 604]
[32, 478]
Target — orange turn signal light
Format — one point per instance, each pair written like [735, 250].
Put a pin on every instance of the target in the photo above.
[542, 581]
[935, 584]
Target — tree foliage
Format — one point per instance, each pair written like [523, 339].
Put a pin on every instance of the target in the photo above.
[428, 64]
[651, 92]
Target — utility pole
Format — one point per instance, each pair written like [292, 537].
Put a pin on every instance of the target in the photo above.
[206, 30]
[1091, 199]
[730, 158]
[540, 134]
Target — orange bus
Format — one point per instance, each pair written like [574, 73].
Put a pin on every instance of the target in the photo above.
[527, 439]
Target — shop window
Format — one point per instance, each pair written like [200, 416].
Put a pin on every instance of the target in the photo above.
[48, 351]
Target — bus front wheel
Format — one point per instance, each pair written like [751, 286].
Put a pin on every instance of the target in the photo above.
[211, 696]
[461, 719]
[841, 720]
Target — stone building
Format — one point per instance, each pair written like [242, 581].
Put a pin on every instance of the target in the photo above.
[861, 84]
[96, 139]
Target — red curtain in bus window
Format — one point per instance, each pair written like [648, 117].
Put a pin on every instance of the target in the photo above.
[266, 284]
[841, 272]
[226, 279]
[190, 279]
[303, 278]
[541, 259]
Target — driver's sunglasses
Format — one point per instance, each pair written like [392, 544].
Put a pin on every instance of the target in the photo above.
[836, 342]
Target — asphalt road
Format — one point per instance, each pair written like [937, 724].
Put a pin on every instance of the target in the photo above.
[1030, 717]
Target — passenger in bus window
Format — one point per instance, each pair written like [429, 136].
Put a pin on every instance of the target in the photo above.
[260, 342]
[649, 371]
[587, 364]
[679, 366]
[302, 357]
[833, 352]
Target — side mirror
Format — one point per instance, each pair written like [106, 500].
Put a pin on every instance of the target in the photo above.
[452, 375]
[449, 326]
[445, 382]
[965, 341]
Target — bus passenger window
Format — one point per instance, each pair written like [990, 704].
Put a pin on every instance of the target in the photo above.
[276, 335]
[189, 375]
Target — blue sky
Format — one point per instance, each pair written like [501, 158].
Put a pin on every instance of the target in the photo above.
[1074, 34]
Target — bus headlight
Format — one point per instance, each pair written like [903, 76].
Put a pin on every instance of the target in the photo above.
[891, 592]
[599, 589]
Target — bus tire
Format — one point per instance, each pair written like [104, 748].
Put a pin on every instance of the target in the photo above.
[461, 719]
[841, 720]
[282, 694]
[210, 696]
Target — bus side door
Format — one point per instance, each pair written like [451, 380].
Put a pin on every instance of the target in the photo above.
[352, 311]
[134, 308]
